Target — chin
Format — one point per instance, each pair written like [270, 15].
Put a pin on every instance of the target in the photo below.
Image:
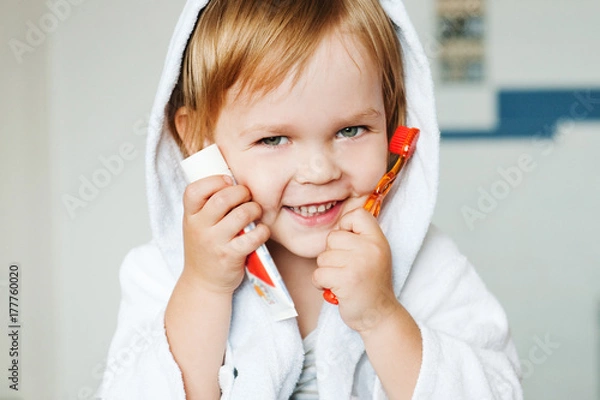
[305, 247]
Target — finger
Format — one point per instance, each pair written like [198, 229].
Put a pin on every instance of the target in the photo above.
[238, 218]
[223, 202]
[327, 278]
[246, 243]
[197, 193]
[334, 259]
[359, 221]
[342, 240]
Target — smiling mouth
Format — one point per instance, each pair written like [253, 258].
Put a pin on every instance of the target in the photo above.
[313, 210]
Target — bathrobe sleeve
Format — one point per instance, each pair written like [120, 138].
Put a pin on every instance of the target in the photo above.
[467, 349]
[140, 364]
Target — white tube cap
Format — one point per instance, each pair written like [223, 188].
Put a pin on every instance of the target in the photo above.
[207, 162]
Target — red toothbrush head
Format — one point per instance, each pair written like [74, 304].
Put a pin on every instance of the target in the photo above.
[404, 141]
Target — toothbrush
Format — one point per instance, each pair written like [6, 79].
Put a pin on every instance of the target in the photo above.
[403, 143]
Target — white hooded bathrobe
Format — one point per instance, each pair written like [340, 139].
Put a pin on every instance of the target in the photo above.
[467, 350]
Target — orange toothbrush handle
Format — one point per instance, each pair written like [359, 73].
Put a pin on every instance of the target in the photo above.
[403, 143]
[330, 297]
[372, 205]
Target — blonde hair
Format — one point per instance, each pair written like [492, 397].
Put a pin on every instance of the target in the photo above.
[257, 43]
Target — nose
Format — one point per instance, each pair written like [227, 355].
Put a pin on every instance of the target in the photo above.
[318, 167]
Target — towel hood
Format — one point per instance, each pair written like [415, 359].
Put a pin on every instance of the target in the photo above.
[407, 213]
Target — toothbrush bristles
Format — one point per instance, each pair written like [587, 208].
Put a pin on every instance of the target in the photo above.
[404, 141]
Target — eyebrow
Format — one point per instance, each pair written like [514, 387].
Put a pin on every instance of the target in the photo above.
[369, 113]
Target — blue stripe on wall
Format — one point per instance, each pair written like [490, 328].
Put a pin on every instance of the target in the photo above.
[526, 113]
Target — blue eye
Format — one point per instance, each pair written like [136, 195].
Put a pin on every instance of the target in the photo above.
[351, 132]
[274, 140]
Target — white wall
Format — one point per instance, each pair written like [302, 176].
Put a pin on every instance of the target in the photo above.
[86, 89]
[105, 65]
[530, 43]
[536, 249]
[25, 212]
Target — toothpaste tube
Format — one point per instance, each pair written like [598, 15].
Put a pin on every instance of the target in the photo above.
[260, 268]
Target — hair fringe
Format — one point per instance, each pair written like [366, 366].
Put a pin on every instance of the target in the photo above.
[252, 46]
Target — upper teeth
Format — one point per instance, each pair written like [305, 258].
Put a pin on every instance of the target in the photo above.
[309, 211]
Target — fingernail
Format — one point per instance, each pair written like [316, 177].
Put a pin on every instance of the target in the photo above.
[228, 179]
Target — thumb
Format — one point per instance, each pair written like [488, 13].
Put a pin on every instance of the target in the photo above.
[359, 221]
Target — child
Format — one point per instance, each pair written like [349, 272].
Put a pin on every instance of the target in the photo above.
[301, 96]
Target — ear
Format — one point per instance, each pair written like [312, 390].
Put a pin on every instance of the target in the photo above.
[182, 123]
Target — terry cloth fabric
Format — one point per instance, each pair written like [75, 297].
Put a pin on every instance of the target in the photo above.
[306, 387]
[467, 350]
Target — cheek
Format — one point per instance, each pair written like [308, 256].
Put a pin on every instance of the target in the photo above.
[266, 183]
[367, 168]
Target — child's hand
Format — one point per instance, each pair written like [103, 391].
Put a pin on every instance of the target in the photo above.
[215, 211]
[356, 266]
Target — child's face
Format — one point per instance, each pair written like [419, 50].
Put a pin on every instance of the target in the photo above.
[310, 152]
